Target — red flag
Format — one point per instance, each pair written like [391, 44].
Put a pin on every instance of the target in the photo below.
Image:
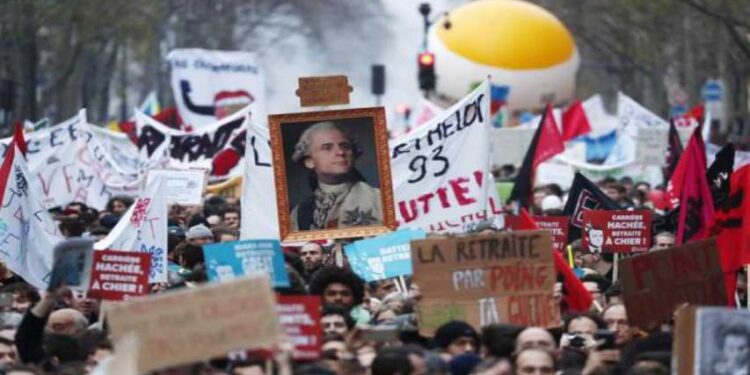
[677, 181]
[733, 222]
[696, 202]
[577, 297]
[550, 142]
[574, 122]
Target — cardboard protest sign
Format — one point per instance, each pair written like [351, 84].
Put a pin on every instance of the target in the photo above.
[486, 279]
[710, 340]
[557, 226]
[197, 324]
[299, 317]
[616, 231]
[183, 186]
[323, 91]
[656, 283]
[384, 256]
[230, 260]
[207, 84]
[435, 192]
[117, 274]
[72, 266]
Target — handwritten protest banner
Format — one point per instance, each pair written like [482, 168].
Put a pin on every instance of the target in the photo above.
[558, 228]
[299, 317]
[229, 260]
[656, 283]
[117, 274]
[183, 186]
[143, 228]
[384, 256]
[198, 324]
[194, 149]
[617, 231]
[206, 82]
[435, 192]
[486, 279]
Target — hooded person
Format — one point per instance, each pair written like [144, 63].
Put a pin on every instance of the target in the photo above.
[340, 196]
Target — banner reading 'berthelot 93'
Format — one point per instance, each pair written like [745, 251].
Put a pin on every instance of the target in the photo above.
[441, 174]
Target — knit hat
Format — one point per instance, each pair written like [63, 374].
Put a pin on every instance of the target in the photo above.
[198, 231]
[449, 332]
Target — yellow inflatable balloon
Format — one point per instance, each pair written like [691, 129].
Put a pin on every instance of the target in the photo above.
[517, 43]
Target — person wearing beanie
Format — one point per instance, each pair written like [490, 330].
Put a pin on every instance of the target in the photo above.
[199, 235]
[456, 337]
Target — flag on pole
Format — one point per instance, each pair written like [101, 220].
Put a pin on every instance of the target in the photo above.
[696, 204]
[584, 195]
[574, 122]
[546, 143]
[674, 151]
[719, 174]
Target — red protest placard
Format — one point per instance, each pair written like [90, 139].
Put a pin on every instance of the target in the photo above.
[299, 317]
[116, 274]
[557, 226]
[617, 231]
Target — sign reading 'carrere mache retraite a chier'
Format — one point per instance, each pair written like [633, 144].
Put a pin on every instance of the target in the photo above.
[486, 279]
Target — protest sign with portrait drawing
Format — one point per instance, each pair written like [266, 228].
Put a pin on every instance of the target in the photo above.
[332, 174]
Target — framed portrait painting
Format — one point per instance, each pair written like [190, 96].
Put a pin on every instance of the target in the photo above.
[332, 173]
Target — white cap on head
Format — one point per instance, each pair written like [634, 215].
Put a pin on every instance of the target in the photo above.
[552, 202]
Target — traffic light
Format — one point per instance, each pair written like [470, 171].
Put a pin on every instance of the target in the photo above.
[427, 77]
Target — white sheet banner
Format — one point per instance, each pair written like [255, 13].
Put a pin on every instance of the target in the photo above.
[143, 228]
[68, 163]
[208, 83]
[189, 149]
[27, 232]
[441, 170]
[259, 212]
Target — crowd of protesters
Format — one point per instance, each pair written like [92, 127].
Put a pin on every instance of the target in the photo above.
[63, 332]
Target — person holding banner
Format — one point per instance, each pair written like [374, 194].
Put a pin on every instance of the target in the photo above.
[341, 198]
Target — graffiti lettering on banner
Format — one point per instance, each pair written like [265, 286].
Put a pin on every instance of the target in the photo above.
[486, 279]
[116, 275]
[434, 192]
[229, 260]
[617, 231]
[384, 256]
[299, 317]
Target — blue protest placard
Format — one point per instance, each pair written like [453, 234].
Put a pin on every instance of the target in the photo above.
[229, 260]
[384, 256]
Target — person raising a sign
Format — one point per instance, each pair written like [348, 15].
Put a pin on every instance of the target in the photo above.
[341, 198]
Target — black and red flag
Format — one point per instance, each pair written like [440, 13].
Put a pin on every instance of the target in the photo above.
[584, 195]
[546, 143]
